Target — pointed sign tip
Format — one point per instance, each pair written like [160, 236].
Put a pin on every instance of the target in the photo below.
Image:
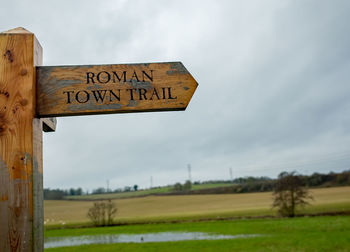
[19, 30]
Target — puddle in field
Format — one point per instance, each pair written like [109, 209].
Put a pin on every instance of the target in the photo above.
[52, 242]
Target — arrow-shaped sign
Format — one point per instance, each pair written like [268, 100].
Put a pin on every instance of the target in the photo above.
[123, 88]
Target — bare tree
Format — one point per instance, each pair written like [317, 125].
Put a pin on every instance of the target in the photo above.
[289, 193]
[102, 213]
[111, 211]
[94, 213]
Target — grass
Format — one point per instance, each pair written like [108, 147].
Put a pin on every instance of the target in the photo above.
[140, 193]
[193, 207]
[210, 185]
[121, 195]
[298, 234]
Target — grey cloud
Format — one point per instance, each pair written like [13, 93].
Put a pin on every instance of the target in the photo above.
[273, 88]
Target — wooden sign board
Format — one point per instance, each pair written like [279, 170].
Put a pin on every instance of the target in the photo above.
[122, 88]
[32, 95]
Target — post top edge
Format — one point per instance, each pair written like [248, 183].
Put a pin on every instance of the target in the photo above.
[19, 30]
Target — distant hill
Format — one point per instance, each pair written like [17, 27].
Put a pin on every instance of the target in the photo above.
[238, 185]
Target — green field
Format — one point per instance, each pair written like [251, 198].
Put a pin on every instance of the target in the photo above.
[146, 192]
[121, 195]
[298, 234]
[193, 207]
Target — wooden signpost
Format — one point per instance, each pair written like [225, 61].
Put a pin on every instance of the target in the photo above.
[31, 96]
[83, 90]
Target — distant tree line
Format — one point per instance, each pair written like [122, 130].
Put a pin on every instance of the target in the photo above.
[102, 190]
[266, 184]
[256, 186]
[238, 185]
[327, 180]
[314, 180]
[241, 180]
[178, 187]
[58, 194]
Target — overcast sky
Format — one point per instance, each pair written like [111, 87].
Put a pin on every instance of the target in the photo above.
[273, 90]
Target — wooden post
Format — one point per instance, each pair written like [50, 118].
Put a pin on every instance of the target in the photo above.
[21, 195]
[24, 98]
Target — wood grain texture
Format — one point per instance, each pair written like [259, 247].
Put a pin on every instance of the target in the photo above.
[20, 144]
[123, 88]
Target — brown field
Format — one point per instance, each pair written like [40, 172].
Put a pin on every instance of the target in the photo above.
[193, 206]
